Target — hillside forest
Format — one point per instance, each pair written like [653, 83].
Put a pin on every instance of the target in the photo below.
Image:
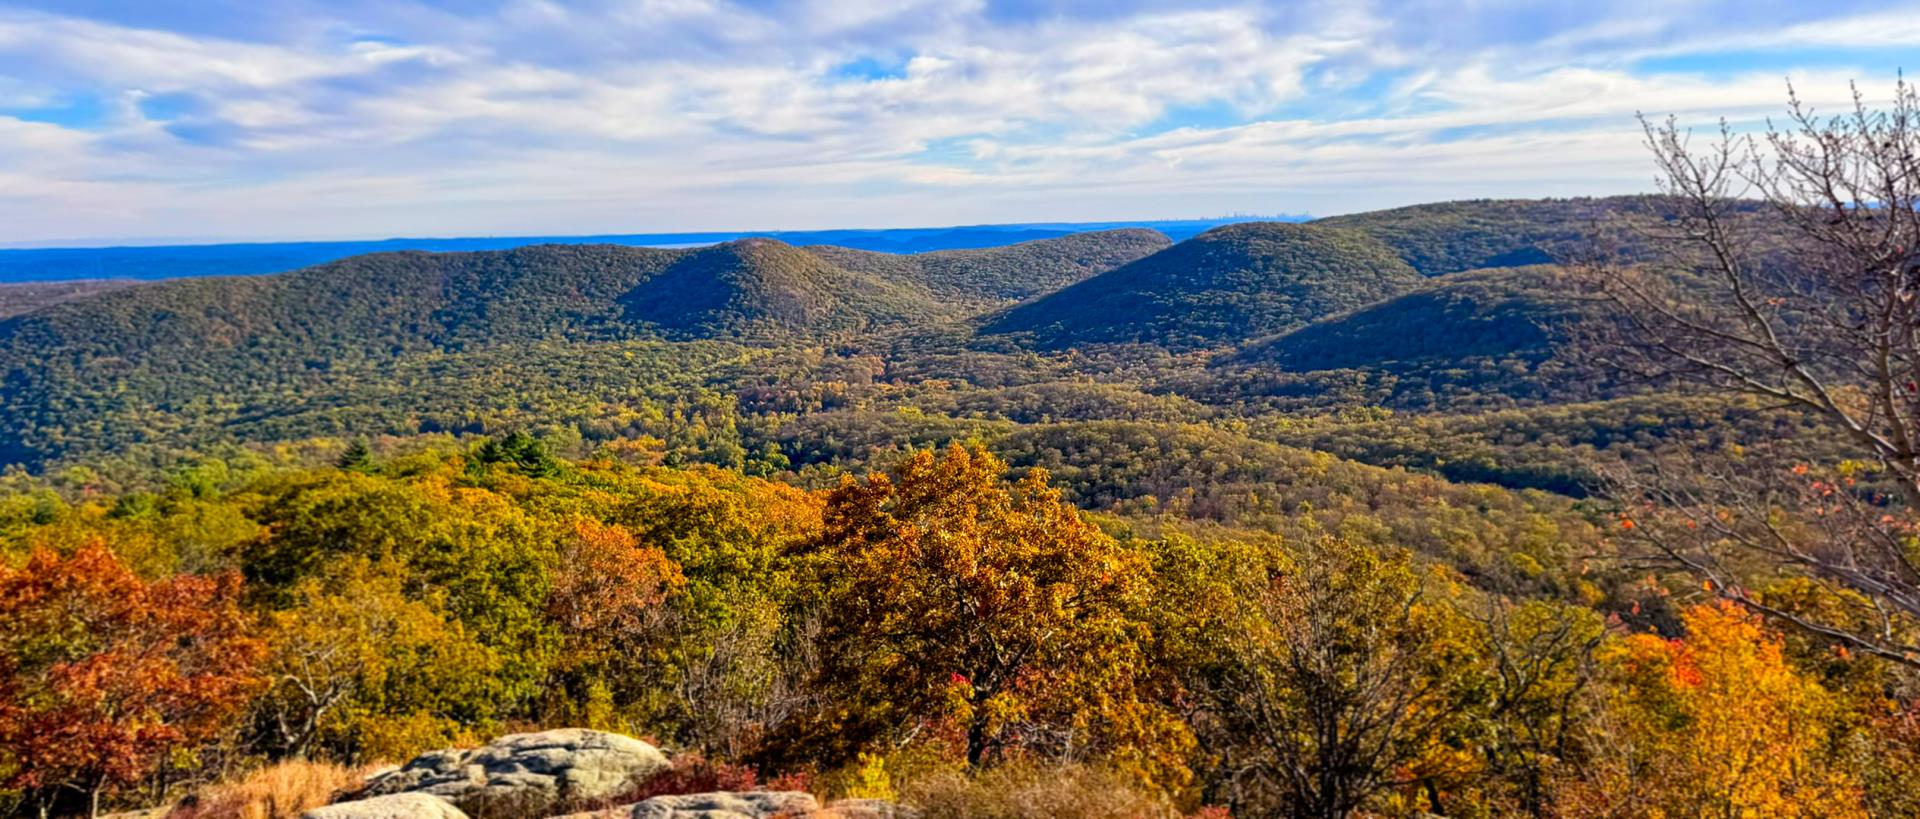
[1581, 508]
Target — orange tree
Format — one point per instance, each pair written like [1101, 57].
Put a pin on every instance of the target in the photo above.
[1716, 724]
[607, 601]
[961, 609]
[107, 679]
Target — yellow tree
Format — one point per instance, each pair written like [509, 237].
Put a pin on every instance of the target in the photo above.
[362, 668]
[960, 607]
[1717, 724]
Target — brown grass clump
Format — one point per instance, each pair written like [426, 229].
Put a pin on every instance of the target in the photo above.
[1020, 791]
[280, 791]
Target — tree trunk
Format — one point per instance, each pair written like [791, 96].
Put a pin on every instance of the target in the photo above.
[977, 742]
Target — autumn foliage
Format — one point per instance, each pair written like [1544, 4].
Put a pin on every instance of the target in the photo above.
[608, 583]
[1716, 723]
[948, 631]
[990, 615]
[106, 679]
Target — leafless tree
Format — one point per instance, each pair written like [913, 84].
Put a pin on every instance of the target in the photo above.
[1785, 265]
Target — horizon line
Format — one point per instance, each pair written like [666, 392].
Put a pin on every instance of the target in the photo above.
[149, 243]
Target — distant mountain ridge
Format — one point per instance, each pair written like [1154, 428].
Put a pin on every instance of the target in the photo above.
[767, 288]
[1439, 238]
[25, 297]
[247, 259]
[1371, 307]
[157, 348]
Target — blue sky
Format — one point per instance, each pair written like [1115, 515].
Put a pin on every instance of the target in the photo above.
[270, 119]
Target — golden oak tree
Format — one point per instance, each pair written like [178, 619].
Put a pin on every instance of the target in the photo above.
[607, 600]
[607, 584]
[964, 609]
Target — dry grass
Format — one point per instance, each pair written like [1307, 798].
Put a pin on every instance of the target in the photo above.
[1019, 791]
[281, 791]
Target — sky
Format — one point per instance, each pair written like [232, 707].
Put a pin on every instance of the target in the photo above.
[193, 120]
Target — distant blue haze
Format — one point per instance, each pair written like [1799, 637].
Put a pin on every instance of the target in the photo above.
[256, 258]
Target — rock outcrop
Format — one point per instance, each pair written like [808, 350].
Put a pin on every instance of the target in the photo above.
[722, 805]
[571, 771]
[390, 806]
[527, 775]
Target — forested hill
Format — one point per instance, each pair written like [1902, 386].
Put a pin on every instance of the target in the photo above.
[765, 288]
[1451, 237]
[755, 342]
[1228, 284]
[1504, 313]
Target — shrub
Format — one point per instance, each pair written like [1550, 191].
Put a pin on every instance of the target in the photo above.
[692, 772]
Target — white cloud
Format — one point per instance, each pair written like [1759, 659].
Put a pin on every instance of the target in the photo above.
[96, 53]
[542, 116]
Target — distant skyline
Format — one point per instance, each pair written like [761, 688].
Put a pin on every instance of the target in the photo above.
[240, 120]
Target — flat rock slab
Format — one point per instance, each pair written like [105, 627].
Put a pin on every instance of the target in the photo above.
[719, 805]
[390, 806]
[528, 775]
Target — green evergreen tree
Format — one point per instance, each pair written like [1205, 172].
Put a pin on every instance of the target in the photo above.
[357, 458]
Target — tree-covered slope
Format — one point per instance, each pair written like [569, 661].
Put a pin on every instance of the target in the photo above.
[92, 371]
[183, 337]
[767, 289]
[27, 297]
[1005, 274]
[1451, 237]
[1226, 285]
[1517, 312]
[764, 289]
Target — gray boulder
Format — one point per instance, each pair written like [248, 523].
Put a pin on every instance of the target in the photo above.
[528, 775]
[390, 806]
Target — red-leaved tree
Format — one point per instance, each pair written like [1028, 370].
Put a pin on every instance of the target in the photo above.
[107, 680]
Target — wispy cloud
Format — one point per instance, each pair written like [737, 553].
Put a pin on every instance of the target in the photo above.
[273, 118]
